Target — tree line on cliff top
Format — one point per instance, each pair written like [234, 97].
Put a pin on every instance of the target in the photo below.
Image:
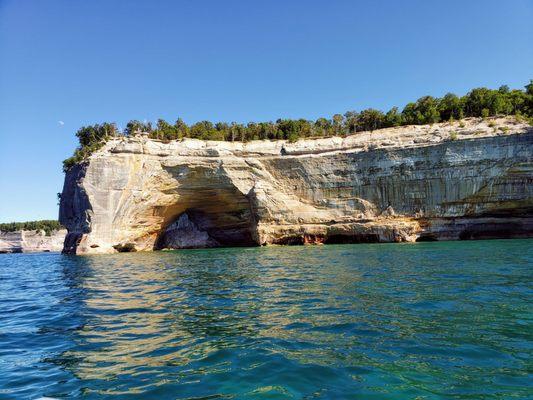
[479, 102]
[46, 225]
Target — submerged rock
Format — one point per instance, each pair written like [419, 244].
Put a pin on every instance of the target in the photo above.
[392, 185]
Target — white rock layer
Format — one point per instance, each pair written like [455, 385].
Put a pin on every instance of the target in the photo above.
[31, 241]
[447, 181]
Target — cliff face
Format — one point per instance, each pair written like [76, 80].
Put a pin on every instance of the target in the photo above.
[31, 241]
[447, 181]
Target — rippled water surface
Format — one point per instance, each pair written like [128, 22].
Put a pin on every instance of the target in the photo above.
[419, 321]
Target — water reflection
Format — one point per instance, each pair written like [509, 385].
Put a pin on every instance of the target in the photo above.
[425, 320]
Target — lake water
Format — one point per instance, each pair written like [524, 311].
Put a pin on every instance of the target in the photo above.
[381, 321]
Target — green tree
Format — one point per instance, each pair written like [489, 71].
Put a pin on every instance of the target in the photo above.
[134, 126]
[393, 118]
[520, 102]
[350, 121]
[504, 89]
[252, 131]
[267, 130]
[164, 131]
[427, 110]
[90, 138]
[202, 130]
[288, 128]
[181, 128]
[450, 107]
[323, 127]
[500, 102]
[476, 100]
[410, 114]
[48, 226]
[91, 134]
[338, 124]
[370, 120]
[528, 104]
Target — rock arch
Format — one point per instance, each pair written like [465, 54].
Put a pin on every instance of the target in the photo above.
[210, 212]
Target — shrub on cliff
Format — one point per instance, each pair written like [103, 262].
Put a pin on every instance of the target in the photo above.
[89, 135]
[81, 154]
[90, 139]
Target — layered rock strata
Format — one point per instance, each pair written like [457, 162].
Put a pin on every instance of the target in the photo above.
[463, 180]
[31, 241]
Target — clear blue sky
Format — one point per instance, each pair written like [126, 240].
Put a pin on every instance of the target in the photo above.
[82, 62]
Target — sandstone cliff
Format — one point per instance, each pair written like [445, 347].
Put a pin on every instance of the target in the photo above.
[31, 241]
[446, 181]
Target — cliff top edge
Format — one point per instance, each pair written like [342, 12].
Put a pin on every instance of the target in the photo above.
[387, 138]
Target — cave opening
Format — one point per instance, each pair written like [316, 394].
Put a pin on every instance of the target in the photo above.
[494, 233]
[194, 228]
[427, 237]
[289, 240]
[210, 211]
[352, 239]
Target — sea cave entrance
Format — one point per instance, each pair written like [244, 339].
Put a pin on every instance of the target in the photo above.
[194, 228]
[215, 214]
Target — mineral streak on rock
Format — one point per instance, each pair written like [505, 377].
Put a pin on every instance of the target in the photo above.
[447, 181]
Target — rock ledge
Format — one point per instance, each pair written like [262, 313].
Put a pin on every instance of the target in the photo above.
[463, 180]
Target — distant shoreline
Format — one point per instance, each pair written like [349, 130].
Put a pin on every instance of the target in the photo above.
[32, 241]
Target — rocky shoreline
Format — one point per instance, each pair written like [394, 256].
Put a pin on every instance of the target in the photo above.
[31, 241]
[459, 180]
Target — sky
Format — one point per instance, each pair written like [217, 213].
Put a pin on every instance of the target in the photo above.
[69, 63]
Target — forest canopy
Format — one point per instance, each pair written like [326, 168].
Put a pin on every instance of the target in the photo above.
[479, 102]
[47, 225]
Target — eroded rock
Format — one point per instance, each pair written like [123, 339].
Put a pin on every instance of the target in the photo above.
[184, 233]
[32, 241]
[392, 185]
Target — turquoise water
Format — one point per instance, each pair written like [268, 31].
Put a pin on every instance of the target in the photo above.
[410, 321]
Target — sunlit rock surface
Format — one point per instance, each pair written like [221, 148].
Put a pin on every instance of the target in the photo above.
[31, 241]
[185, 233]
[447, 181]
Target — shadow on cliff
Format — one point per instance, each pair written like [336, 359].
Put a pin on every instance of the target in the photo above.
[210, 212]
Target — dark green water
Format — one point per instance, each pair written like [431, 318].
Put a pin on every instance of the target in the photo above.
[420, 321]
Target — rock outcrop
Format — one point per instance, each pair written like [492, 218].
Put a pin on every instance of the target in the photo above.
[31, 241]
[185, 234]
[447, 181]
